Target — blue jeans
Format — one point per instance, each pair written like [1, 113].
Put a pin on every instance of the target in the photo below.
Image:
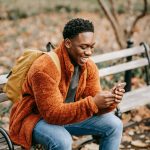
[55, 137]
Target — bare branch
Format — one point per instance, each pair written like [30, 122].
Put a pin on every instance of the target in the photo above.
[139, 17]
[129, 6]
[119, 34]
[113, 10]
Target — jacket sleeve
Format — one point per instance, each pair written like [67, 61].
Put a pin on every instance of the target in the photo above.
[50, 102]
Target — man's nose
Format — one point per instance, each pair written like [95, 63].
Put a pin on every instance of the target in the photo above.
[88, 52]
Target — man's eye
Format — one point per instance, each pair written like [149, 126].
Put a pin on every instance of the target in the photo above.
[83, 47]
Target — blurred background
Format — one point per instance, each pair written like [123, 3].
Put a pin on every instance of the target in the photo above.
[32, 24]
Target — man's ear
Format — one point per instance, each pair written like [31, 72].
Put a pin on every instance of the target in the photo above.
[67, 43]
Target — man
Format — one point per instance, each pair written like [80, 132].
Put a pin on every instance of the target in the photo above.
[57, 105]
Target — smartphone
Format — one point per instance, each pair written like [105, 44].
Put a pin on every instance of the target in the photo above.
[122, 85]
[118, 85]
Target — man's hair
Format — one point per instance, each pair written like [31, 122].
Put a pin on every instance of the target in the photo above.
[76, 26]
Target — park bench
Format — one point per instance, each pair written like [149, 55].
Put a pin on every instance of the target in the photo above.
[127, 60]
[132, 98]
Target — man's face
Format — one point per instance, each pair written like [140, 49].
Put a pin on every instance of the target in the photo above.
[81, 47]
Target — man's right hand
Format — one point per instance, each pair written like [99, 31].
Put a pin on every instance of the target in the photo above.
[104, 99]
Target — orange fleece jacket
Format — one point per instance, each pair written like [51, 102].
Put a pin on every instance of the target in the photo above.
[45, 91]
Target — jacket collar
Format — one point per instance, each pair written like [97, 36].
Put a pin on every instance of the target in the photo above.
[65, 59]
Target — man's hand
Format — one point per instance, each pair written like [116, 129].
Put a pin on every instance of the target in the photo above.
[118, 90]
[104, 99]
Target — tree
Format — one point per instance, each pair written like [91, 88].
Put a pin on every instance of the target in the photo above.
[122, 33]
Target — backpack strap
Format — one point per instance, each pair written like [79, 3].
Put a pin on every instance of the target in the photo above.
[49, 45]
[55, 59]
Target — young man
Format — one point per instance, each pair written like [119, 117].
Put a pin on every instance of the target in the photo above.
[57, 105]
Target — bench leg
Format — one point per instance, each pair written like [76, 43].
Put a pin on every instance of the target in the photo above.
[7, 139]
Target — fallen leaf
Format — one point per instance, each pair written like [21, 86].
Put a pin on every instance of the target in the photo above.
[126, 138]
[139, 143]
[131, 132]
[137, 118]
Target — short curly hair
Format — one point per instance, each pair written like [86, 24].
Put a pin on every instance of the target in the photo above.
[76, 26]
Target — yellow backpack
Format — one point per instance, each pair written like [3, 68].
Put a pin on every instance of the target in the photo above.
[17, 76]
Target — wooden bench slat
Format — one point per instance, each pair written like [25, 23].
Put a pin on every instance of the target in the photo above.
[3, 79]
[3, 97]
[2, 140]
[123, 67]
[17, 147]
[118, 54]
[4, 147]
[138, 97]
